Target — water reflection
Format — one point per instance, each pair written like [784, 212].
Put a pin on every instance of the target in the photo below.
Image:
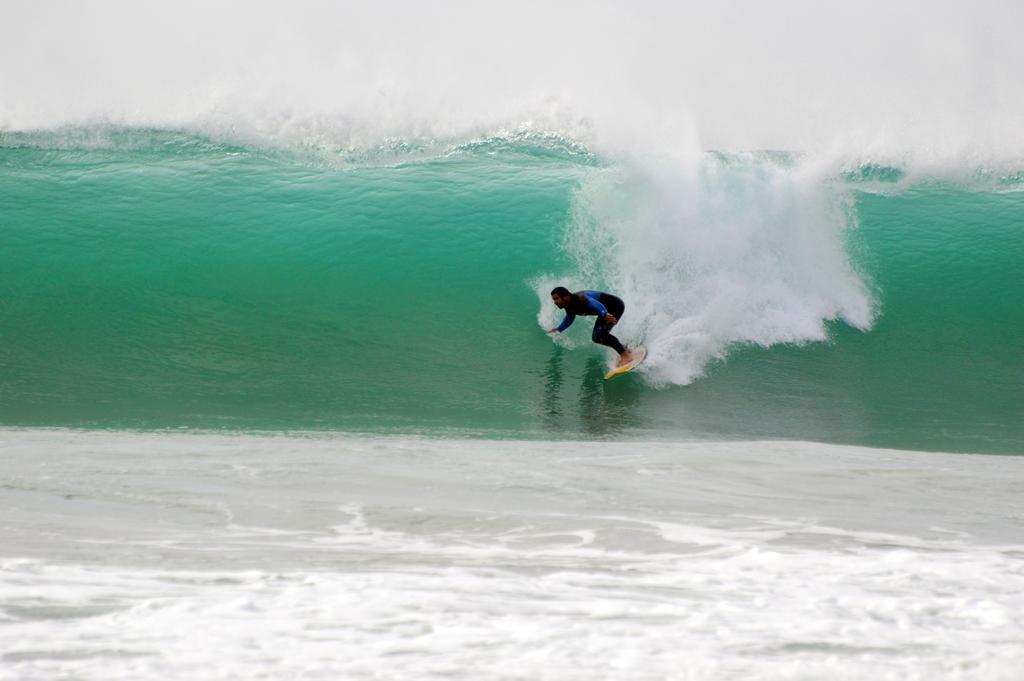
[607, 408]
[552, 413]
[602, 408]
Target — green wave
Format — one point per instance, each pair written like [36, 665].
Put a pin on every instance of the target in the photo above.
[157, 279]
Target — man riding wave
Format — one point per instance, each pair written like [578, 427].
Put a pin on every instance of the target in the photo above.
[607, 308]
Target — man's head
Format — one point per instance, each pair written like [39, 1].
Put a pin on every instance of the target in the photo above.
[561, 296]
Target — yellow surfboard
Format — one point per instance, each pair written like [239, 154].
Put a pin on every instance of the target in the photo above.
[639, 355]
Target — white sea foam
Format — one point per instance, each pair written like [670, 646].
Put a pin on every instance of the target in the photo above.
[175, 556]
[733, 249]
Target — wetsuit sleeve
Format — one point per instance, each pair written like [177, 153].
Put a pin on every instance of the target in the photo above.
[595, 305]
[569, 318]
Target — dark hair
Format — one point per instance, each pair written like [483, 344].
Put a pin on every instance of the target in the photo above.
[560, 291]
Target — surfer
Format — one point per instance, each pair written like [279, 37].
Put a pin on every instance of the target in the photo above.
[605, 306]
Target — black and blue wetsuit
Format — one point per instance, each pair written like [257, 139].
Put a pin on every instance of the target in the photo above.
[596, 303]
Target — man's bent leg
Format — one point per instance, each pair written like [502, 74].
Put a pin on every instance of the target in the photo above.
[602, 335]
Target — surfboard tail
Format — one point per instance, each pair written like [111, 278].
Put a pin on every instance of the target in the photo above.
[639, 355]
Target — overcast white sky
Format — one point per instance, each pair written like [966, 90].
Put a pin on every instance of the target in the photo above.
[742, 74]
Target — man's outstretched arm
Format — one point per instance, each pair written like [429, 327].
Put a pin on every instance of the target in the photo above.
[566, 323]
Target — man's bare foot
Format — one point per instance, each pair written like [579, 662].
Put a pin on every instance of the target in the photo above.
[625, 358]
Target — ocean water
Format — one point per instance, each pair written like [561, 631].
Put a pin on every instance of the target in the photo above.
[276, 396]
[161, 279]
[389, 469]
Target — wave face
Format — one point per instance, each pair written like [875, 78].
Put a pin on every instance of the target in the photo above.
[159, 278]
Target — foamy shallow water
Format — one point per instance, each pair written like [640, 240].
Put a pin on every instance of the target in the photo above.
[166, 556]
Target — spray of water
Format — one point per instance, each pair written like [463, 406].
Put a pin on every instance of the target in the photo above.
[745, 248]
[924, 80]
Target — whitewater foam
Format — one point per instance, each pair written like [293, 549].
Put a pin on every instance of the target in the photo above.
[149, 556]
[736, 249]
